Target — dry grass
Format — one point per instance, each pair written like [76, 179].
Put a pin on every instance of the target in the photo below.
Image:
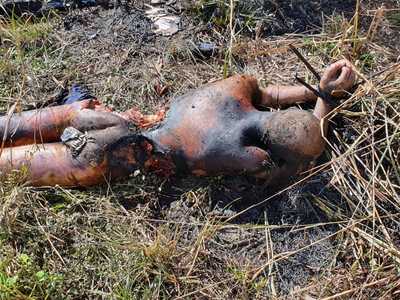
[332, 235]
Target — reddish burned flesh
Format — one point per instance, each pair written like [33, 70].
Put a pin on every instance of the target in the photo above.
[112, 148]
[109, 154]
[47, 125]
[214, 130]
[218, 130]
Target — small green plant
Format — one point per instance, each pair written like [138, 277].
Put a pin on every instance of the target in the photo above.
[239, 275]
[214, 11]
[367, 60]
[8, 286]
[325, 48]
[24, 33]
[21, 278]
[335, 25]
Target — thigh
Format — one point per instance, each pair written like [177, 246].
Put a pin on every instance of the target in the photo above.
[51, 164]
[46, 125]
[108, 154]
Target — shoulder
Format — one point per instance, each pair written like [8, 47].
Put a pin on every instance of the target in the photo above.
[241, 83]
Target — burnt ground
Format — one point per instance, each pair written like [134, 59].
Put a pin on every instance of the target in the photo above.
[183, 237]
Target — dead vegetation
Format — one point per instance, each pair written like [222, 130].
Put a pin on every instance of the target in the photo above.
[332, 235]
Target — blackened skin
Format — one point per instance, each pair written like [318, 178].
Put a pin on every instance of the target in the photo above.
[111, 153]
[217, 130]
[214, 130]
[114, 147]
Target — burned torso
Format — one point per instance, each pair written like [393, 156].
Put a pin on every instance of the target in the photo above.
[215, 130]
[218, 130]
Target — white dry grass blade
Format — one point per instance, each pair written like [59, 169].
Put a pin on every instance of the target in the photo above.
[6, 129]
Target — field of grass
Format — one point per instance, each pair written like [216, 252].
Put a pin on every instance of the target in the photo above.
[334, 234]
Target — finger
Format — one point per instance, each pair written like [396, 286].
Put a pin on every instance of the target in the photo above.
[339, 64]
[344, 75]
[344, 62]
[333, 69]
[352, 77]
[348, 64]
[347, 78]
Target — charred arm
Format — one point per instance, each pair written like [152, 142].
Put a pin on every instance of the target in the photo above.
[276, 96]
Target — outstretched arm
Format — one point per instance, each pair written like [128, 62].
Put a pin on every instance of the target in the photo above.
[280, 96]
[338, 78]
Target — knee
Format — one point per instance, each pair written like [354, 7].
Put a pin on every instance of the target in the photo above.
[309, 140]
[296, 134]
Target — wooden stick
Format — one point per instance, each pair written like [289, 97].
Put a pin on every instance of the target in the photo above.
[305, 61]
[308, 86]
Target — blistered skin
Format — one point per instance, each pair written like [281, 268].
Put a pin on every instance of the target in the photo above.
[217, 129]
[33, 143]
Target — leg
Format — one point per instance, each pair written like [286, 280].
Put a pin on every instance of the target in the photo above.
[50, 165]
[46, 125]
[110, 153]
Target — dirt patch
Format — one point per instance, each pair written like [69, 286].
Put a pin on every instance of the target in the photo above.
[271, 17]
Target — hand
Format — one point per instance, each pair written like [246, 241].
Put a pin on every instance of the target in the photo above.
[338, 78]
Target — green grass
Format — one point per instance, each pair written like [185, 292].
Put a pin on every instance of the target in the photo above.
[27, 50]
[21, 278]
[394, 18]
[127, 241]
[24, 39]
